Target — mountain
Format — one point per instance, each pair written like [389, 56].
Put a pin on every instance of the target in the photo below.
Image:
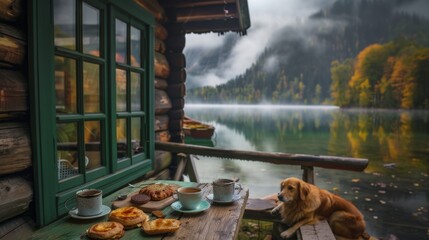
[295, 67]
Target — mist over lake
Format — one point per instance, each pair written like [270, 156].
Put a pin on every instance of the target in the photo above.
[393, 191]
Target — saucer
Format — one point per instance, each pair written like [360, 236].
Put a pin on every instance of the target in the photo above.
[104, 211]
[202, 206]
[234, 198]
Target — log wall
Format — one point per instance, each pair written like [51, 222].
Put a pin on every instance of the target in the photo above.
[16, 191]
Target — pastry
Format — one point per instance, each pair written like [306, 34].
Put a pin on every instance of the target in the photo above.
[106, 230]
[140, 199]
[130, 217]
[161, 225]
[158, 191]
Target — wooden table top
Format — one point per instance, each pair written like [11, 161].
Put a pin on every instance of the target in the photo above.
[220, 221]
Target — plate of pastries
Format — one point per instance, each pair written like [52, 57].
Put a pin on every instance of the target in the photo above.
[122, 219]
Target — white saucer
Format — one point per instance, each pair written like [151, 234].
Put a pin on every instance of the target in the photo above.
[234, 198]
[104, 211]
[202, 206]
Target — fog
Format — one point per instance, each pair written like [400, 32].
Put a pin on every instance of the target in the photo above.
[271, 21]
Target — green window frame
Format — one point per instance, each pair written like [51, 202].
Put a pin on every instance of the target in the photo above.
[91, 98]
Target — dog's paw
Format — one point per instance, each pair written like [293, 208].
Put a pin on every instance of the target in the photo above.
[287, 234]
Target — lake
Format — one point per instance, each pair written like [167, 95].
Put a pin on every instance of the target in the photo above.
[392, 193]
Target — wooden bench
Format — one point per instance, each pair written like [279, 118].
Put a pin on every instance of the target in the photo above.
[260, 209]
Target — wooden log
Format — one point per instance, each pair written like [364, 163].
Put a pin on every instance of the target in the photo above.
[176, 114]
[19, 227]
[161, 32]
[161, 122]
[177, 136]
[176, 90]
[13, 92]
[161, 83]
[162, 102]
[176, 43]
[162, 68]
[331, 162]
[159, 46]
[162, 136]
[175, 125]
[193, 3]
[10, 10]
[12, 46]
[178, 103]
[16, 194]
[176, 60]
[205, 13]
[15, 150]
[162, 160]
[177, 75]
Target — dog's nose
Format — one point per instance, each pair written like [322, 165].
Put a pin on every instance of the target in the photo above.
[280, 197]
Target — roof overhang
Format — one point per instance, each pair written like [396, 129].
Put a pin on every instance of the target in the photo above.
[203, 16]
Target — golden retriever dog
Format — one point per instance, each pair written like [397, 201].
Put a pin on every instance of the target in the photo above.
[303, 203]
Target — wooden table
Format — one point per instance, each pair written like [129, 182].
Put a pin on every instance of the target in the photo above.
[220, 221]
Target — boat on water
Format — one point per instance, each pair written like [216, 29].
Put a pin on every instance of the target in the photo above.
[196, 129]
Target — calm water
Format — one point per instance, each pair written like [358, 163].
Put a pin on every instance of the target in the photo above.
[392, 193]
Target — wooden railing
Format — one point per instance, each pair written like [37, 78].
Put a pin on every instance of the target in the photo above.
[307, 162]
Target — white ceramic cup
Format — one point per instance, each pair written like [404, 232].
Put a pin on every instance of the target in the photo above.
[189, 197]
[89, 202]
[224, 189]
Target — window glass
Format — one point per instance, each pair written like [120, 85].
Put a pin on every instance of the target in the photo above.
[91, 30]
[65, 85]
[65, 23]
[135, 47]
[121, 138]
[135, 91]
[91, 87]
[67, 150]
[121, 90]
[92, 144]
[121, 41]
[136, 135]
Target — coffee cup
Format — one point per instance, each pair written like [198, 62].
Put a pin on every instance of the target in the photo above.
[189, 197]
[88, 202]
[224, 189]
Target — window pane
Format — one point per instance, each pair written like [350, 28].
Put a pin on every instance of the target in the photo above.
[121, 41]
[91, 30]
[121, 90]
[136, 135]
[65, 23]
[91, 87]
[65, 85]
[92, 144]
[135, 91]
[121, 138]
[67, 150]
[135, 47]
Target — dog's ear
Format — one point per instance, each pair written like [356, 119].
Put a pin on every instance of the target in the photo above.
[282, 185]
[304, 190]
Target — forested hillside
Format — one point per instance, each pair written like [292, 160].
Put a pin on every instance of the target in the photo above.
[296, 68]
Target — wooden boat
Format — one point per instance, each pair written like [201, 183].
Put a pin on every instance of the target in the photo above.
[196, 129]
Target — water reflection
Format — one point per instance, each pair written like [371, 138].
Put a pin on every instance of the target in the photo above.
[392, 192]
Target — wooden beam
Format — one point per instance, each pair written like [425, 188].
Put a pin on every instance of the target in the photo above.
[205, 13]
[193, 3]
[331, 162]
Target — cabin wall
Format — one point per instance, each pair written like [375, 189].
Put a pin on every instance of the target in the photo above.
[16, 187]
[170, 78]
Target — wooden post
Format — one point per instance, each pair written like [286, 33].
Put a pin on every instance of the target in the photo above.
[308, 174]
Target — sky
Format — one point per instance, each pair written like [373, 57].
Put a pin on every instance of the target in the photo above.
[266, 20]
